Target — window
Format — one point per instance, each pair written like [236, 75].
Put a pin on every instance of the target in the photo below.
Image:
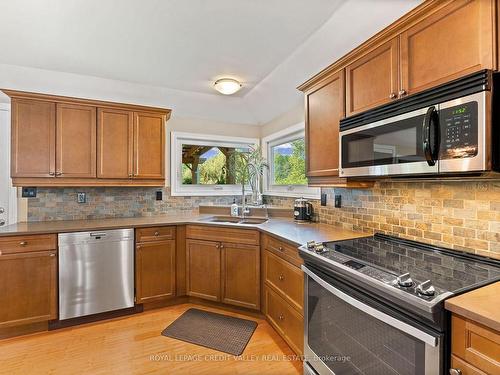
[285, 152]
[204, 164]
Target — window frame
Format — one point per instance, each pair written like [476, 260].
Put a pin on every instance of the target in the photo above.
[179, 138]
[295, 191]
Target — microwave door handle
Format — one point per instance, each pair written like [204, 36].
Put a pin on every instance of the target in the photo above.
[429, 120]
[377, 314]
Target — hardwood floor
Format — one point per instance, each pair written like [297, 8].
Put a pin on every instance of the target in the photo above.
[134, 345]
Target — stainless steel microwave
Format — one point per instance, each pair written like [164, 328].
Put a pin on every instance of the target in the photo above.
[447, 130]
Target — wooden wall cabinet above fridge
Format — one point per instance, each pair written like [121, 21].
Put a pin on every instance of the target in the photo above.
[436, 42]
[59, 141]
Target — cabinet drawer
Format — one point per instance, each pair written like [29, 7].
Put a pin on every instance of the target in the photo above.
[476, 344]
[223, 234]
[154, 234]
[283, 250]
[288, 322]
[464, 367]
[23, 244]
[285, 278]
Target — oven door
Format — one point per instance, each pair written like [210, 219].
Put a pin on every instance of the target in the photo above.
[388, 147]
[344, 335]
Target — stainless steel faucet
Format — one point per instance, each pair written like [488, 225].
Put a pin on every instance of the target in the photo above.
[244, 209]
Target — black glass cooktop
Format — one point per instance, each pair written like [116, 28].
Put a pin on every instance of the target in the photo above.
[447, 269]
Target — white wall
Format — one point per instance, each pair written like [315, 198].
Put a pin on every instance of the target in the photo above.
[292, 117]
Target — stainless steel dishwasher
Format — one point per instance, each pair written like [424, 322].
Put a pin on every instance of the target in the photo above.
[96, 272]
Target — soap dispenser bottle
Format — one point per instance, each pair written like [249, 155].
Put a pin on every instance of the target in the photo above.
[234, 208]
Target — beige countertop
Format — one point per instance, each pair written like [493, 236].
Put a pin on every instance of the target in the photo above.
[284, 228]
[480, 305]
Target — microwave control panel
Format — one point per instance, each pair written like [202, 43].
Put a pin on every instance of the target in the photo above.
[459, 131]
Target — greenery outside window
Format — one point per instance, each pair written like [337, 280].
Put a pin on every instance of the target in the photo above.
[204, 165]
[285, 152]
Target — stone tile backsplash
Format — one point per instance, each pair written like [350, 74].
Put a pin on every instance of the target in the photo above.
[107, 202]
[460, 215]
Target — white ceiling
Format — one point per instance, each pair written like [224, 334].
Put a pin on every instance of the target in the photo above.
[180, 47]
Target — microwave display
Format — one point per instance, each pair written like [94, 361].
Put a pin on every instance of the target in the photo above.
[459, 131]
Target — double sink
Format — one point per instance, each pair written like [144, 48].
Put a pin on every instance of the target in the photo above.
[235, 220]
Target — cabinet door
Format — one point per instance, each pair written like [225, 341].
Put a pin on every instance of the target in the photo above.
[373, 79]
[114, 143]
[456, 40]
[155, 271]
[324, 109]
[241, 275]
[149, 144]
[203, 269]
[29, 288]
[33, 138]
[76, 141]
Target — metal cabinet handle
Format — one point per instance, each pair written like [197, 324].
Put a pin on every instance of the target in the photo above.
[58, 173]
[402, 93]
[221, 246]
[281, 277]
[280, 248]
[217, 246]
[392, 95]
[281, 317]
[23, 243]
[130, 175]
[455, 371]
[0, 252]
[52, 255]
[157, 233]
[52, 174]
[2, 222]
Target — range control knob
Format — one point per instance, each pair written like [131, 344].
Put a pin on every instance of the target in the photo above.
[310, 245]
[405, 280]
[319, 248]
[426, 288]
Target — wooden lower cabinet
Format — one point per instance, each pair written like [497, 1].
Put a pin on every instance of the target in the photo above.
[475, 348]
[28, 281]
[221, 271]
[283, 290]
[241, 275]
[155, 271]
[203, 269]
[285, 319]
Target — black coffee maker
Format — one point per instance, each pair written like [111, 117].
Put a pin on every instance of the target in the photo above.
[302, 210]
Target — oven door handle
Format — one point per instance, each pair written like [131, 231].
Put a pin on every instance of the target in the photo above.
[383, 317]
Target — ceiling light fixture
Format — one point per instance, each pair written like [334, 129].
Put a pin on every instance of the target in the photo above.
[227, 86]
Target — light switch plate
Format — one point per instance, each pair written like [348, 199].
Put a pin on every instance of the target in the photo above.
[81, 197]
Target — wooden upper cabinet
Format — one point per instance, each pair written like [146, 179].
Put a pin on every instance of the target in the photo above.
[149, 145]
[76, 141]
[33, 138]
[114, 143]
[324, 108]
[373, 79]
[451, 42]
[62, 141]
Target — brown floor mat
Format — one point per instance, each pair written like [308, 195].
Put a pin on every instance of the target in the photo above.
[211, 330]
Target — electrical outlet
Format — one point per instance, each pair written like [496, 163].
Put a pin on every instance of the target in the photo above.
[81, 197]
[159, 195]
[323, 199]
[338, 201]
[28, 192]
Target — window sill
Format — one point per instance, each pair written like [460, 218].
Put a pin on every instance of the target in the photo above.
[291, 194]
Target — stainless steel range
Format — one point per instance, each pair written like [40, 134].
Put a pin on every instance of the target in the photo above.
[375, 305]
